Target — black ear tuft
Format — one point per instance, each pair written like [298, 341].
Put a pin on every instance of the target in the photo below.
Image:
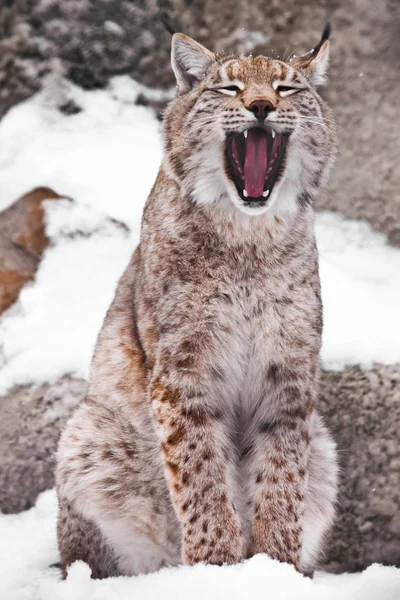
[165, 20]
[325, 36]
[314, 63]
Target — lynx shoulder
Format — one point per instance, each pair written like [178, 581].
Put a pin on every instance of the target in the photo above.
[199, 439]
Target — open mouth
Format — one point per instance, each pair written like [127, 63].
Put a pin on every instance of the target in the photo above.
[255, 162]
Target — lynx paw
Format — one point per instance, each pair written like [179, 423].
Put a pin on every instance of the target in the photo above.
[214, 543]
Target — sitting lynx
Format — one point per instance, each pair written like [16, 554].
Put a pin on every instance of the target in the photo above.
[199, 439]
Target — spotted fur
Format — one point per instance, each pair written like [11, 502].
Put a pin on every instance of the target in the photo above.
[199, 439]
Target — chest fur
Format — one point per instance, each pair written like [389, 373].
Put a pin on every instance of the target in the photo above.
[239, 309]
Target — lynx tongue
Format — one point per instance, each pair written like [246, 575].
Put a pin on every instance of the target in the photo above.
[255, 164]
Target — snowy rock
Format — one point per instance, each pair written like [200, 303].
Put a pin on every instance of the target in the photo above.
[53, 327]
[31, 418]
[22, 242]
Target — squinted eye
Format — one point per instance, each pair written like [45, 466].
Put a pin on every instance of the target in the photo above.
[229, 90]
[286, 90]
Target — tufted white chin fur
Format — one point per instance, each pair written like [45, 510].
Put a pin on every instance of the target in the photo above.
[211, 185]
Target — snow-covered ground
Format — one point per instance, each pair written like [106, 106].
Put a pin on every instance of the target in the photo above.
[28, 548]
[106, 159]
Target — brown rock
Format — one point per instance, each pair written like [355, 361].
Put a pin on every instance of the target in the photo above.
[22, 242]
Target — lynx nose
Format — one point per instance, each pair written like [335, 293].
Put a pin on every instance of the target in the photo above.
[261, 108]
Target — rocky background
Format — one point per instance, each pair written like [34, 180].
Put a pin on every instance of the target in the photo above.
[89, 41]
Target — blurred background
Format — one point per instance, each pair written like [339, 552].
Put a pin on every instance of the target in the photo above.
[62, 52]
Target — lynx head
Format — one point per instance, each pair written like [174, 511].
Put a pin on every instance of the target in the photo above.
[252, 130]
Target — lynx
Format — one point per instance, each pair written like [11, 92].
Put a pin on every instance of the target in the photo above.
[199, 439]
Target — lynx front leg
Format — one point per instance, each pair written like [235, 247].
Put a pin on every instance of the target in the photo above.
[279, 468]
[280, 472]
[192, 447]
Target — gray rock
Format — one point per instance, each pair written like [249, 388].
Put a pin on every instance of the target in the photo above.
[30, 422]
[362, 410]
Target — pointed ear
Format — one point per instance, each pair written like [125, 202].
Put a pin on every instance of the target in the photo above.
[190, 61]
[314, 64]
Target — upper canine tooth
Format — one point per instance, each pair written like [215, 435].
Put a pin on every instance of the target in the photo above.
[245, 133]
[245, 194]
[265, 194]
[273, 133]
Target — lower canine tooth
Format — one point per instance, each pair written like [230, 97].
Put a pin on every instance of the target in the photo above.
[245, 194]
[265, 194]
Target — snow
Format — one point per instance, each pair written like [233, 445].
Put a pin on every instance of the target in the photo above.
[106, 158]
[53, 328]
[28, 549]
[360, 280]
